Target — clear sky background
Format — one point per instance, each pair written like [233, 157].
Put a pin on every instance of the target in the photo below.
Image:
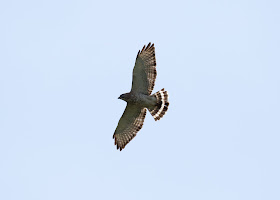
[63, 64]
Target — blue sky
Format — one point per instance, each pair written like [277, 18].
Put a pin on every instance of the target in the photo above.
[63, 64]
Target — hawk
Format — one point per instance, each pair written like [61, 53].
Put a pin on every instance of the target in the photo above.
[140, 98]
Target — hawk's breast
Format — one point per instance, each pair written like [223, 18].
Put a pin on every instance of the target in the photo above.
[143, 100]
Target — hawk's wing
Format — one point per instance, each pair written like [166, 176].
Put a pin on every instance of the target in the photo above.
[144, 72]
[130, 123]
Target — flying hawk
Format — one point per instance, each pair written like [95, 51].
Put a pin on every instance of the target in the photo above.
[140, 98]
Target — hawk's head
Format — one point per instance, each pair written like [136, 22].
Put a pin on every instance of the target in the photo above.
[125, 97]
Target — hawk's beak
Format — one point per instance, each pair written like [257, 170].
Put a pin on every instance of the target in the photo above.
[119, 97]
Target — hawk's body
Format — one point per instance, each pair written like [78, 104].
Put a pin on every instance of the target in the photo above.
[139, 98]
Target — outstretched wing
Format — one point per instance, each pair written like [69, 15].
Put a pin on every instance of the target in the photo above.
[130, 123]
[144, 72]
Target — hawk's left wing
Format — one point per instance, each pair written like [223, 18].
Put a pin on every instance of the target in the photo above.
[144, 72]
[130, 123]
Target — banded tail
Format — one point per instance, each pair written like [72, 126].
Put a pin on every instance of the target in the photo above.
[162, 104]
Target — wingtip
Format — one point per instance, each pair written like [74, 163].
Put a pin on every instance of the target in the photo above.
[149, 46]
[143, 48]
[118, 147]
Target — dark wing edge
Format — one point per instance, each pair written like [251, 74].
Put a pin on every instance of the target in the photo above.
[144, 72]
[129, 124]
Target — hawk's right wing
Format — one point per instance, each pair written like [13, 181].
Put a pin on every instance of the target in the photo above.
[130, 123]
[144, 72]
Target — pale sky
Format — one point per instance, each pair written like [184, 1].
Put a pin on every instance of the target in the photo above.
[63, 64]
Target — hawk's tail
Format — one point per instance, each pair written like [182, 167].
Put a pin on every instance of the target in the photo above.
[162, 104]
